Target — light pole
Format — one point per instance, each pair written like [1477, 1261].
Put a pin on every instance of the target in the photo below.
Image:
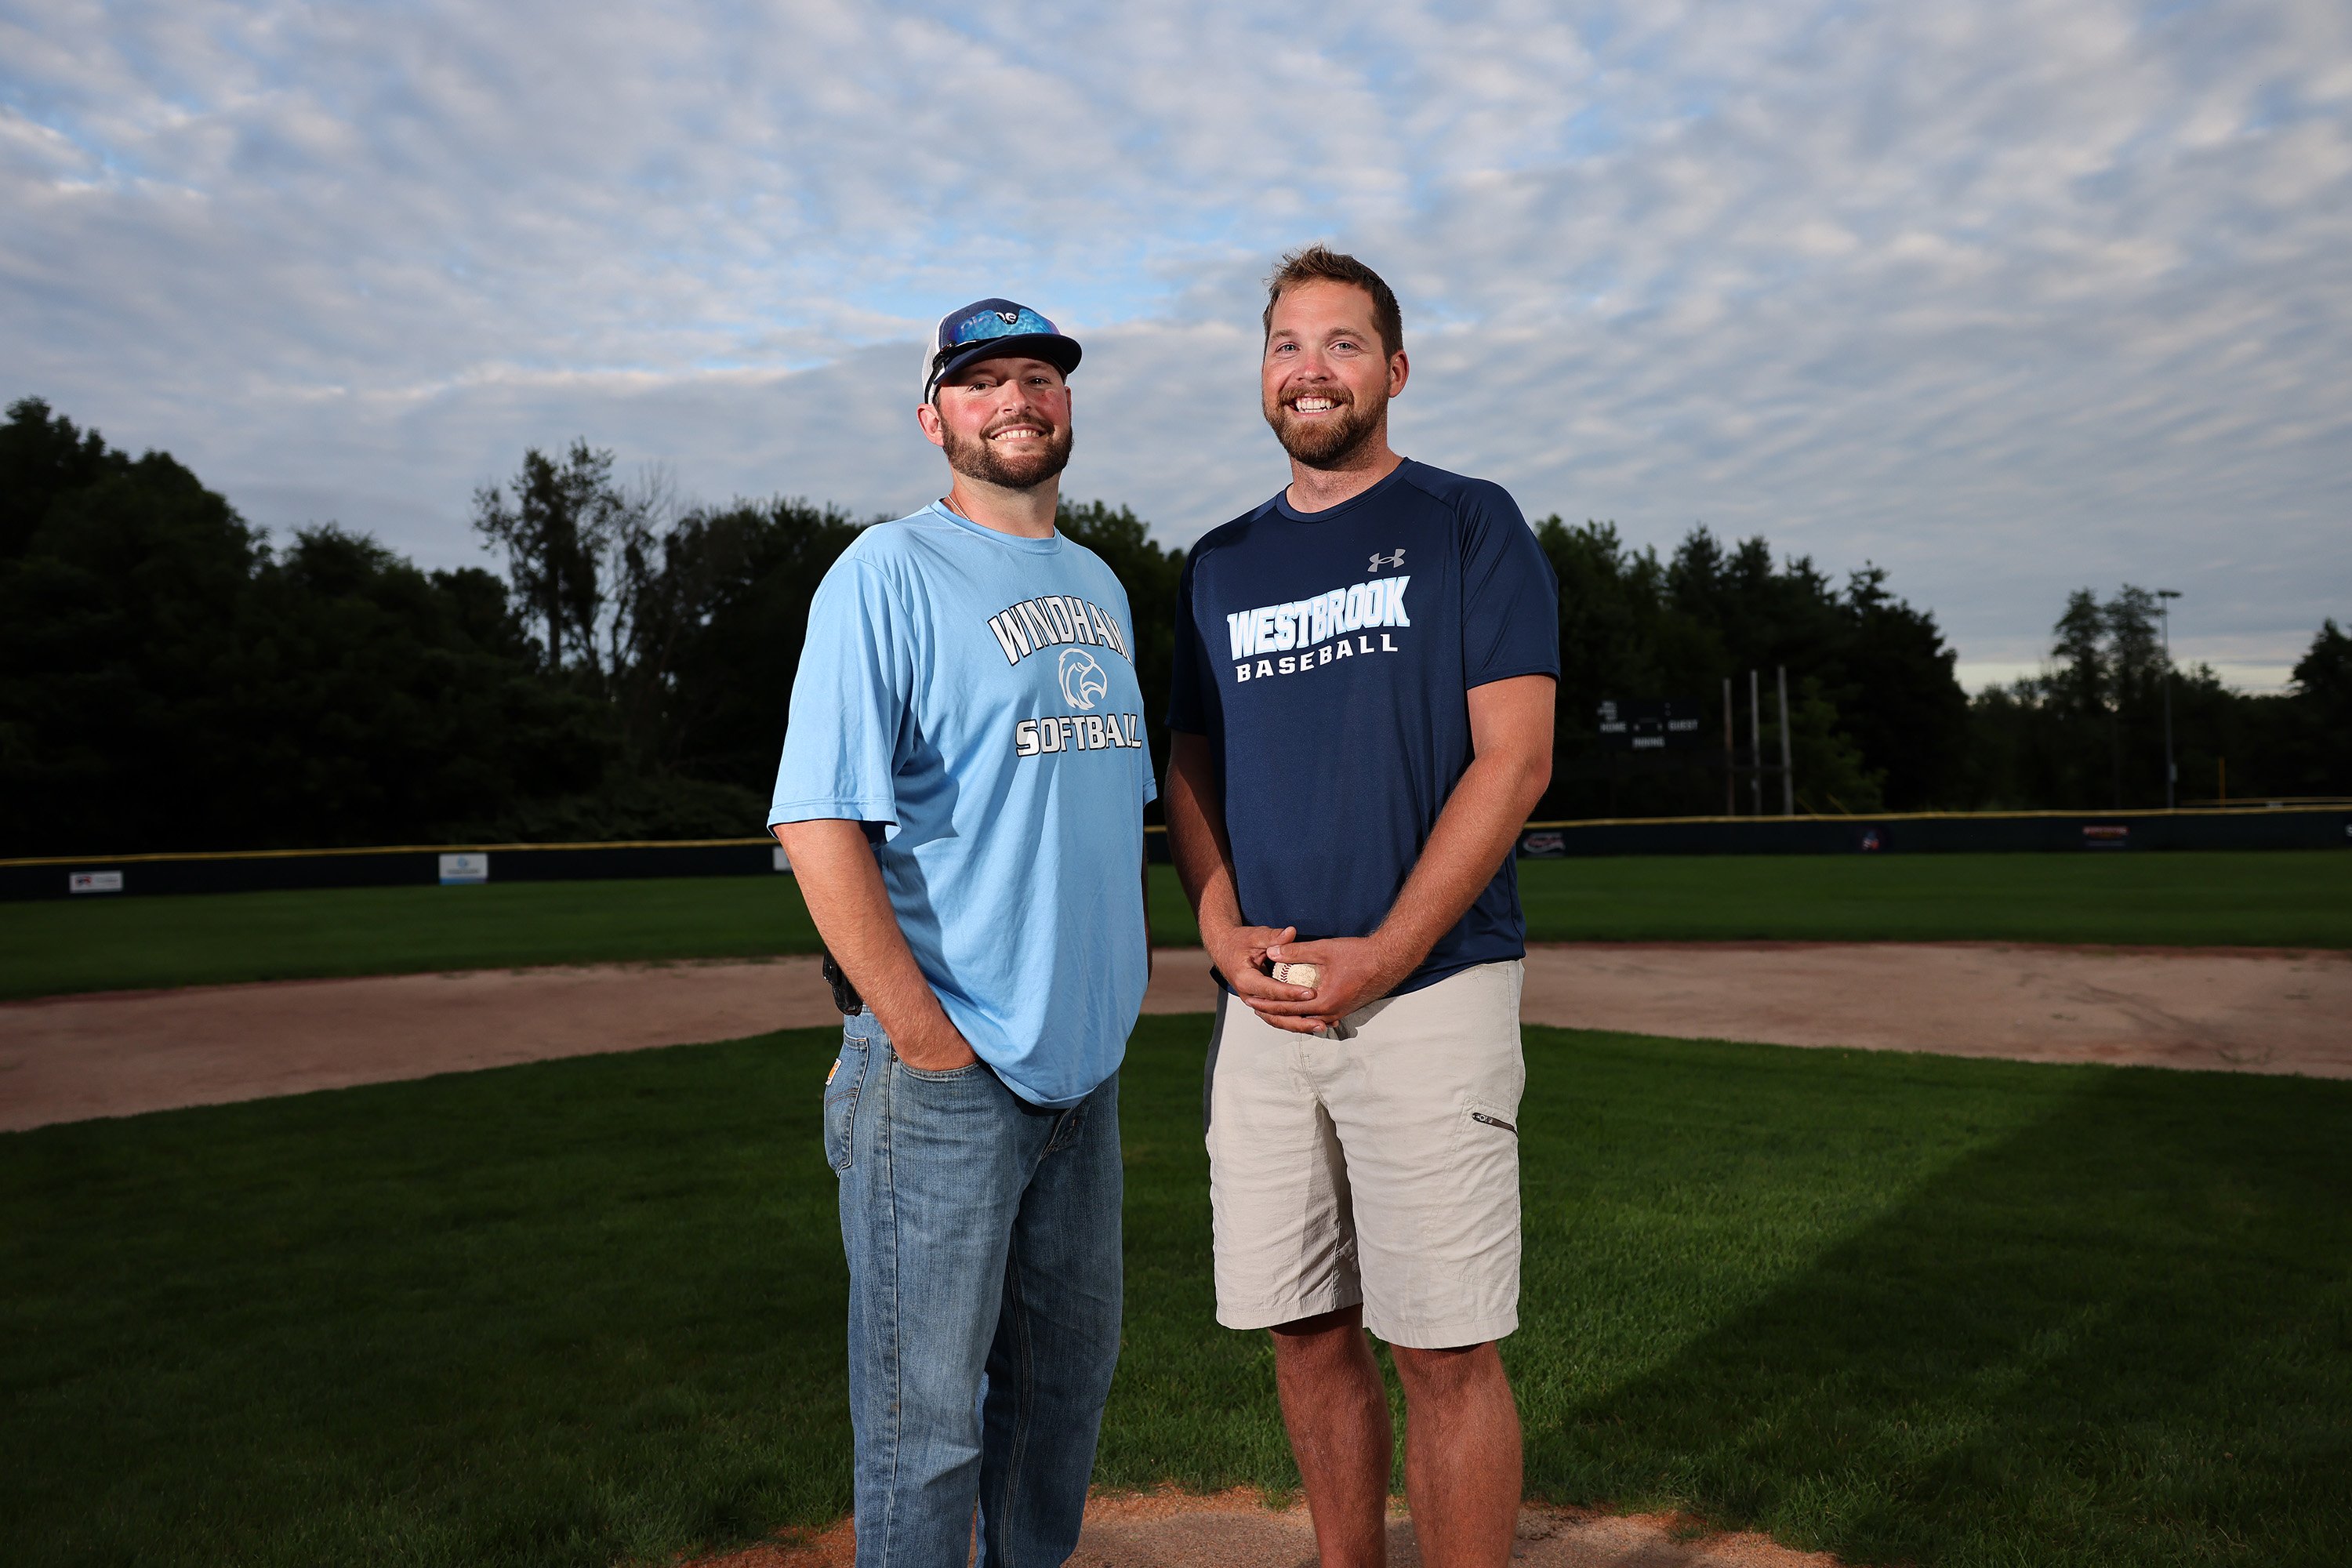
[1788, 768]
[2164, 597]
[1755, 747]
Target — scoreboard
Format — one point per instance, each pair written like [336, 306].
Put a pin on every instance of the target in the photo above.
[1650, 723]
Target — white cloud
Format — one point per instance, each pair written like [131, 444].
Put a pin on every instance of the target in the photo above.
[2008, 298]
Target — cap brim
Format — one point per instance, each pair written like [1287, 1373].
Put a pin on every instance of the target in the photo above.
[1055, 350]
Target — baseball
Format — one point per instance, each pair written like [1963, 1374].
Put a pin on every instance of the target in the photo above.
[1305, 975]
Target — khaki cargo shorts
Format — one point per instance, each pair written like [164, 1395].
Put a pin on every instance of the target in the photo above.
[1380, 1168]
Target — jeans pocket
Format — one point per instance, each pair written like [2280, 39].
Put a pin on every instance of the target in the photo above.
[946, 1075]
[841, 1087]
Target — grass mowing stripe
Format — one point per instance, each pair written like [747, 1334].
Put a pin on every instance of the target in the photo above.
[2283, 899]
[218, 938]
[585, 1311]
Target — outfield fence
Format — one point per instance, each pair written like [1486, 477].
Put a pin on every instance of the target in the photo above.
[1946, 832]
[424, 865]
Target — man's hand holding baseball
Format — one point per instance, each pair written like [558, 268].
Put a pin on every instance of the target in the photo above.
[1240, 953]
[1355, 971]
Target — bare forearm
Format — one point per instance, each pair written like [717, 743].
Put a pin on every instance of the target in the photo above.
[842, 886]
[1478, 827]
[1511, 731]
[1204, 864]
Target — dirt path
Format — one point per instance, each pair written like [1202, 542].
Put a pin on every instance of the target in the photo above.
[117, 1054]
[1234, 1530]
[2233, 1009]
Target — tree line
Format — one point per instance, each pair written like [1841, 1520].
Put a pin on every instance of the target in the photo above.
[2088, 731]
[170, 679]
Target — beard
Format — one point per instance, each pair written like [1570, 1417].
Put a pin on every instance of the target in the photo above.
[979, 458]
[1329, 441]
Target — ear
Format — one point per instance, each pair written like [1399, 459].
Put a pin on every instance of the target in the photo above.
[1399, 370]
[927, 416]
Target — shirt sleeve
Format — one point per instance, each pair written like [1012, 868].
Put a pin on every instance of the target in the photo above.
[1510, 597]
[849, 704]
[1184, 706]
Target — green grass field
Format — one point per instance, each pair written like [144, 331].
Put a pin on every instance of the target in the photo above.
[584, 1312]
[2295, 898]
[2283, 899]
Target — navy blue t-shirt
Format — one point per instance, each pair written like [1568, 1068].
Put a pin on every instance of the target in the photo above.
[1328, 657]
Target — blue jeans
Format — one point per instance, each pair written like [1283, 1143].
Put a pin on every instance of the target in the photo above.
[983, 1243]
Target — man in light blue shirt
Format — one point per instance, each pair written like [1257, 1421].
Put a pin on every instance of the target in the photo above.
[961, 797]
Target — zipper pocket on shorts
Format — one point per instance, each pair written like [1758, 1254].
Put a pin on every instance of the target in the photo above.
[1494, 1121]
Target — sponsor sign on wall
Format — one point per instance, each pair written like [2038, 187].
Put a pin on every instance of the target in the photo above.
[94, 882]
[458, 870]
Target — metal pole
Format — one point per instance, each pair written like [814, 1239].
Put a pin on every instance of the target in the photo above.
[1730, 756]
[2164, 597]
[1755, 745]
[1788, 768]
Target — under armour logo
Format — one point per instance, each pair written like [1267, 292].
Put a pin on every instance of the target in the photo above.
[1380, 560]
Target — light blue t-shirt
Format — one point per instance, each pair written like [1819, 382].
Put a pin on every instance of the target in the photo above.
[974, 692]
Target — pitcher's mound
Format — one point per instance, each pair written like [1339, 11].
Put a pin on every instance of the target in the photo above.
[1234, 1530]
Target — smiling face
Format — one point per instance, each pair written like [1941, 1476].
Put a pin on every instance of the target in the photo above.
[1324, 382]
[1002, 421]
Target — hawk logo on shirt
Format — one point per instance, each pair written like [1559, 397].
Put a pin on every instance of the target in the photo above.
[1082, 679]
[1380, 560]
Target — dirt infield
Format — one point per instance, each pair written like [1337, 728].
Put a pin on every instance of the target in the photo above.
[117, 1054]
[1234, 1530]
[2226, 1009]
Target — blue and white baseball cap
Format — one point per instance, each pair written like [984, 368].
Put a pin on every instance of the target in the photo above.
[989, 329]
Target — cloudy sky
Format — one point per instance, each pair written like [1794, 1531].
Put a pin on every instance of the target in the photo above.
[2008, 297]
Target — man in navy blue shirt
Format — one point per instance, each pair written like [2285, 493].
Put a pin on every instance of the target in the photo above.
[1362, 709]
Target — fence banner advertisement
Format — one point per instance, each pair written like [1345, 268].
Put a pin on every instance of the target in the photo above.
[460, 870]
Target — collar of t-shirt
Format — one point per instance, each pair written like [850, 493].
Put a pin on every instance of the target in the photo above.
[1282, 498]
[1048, 545]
